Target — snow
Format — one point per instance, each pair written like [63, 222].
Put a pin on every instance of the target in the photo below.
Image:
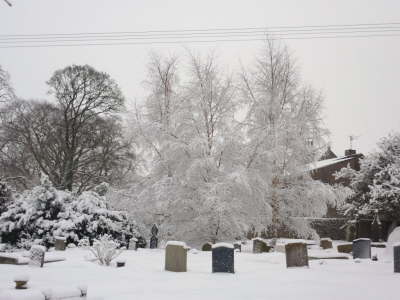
[361, 239]
[393, 240]
[219, 245]
[324, 163]
[255, 275]
[176, 243]
[21, 277]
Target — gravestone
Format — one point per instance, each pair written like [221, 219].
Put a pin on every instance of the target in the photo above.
[133, 244]
[60, 243]
[296, 255]
[176, 256]
[37, 256]
[376, 229]
[154, 239]
[238, 246]
[362, 248]
[8, 260]
[206, 247]
[223, 258]
[345, 248]
[396, 258]
[260, 246]
[325, 243]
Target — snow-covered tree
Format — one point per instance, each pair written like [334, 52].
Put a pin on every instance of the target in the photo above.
[6, 90]
[195, 189]
[283, 129]
[6, 196]
[377, 185]
[45, 212]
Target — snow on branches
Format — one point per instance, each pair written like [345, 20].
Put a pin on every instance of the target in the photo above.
[45, 212]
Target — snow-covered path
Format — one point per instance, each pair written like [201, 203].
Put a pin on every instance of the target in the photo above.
[258, 276]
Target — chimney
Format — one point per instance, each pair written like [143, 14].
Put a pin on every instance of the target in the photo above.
[349, 152]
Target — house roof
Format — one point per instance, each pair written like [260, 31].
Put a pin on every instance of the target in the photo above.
[326, 162]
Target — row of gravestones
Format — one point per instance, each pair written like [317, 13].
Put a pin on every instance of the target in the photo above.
[223, 259]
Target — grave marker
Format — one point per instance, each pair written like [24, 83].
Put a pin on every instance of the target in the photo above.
[396, 257]
[325, 243]
[60, 243]
[37, 256]
[176, 256]
[362, 248]
[296, 255]
[223, 258]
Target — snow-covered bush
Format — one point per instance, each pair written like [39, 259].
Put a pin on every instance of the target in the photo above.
[377, 185]
[45, 212]
[5, 196]
[105, 249]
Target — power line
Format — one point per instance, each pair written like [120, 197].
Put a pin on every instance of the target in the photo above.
[187, 36]
[195, 41]
[269, 28]
[201, 35]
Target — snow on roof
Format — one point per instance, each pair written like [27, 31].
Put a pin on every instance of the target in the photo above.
[327, 162]
[226, 245]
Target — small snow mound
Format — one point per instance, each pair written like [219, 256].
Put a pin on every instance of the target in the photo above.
[393, 240]
[176, 243]
[225, 245]
[326, 239]
[21, 277]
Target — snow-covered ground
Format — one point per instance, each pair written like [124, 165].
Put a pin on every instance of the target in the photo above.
[258, 276]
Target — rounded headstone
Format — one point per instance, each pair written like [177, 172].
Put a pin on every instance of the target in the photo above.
[223, 258]
[362, 248]
[206, 247]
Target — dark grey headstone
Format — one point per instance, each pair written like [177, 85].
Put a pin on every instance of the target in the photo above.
[362, 248]
[37, 256]
[223, 258]
[296, 255]
[153, 242]
[396, 258]
[154, 239]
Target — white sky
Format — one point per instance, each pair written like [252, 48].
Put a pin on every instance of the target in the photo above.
[359, 77]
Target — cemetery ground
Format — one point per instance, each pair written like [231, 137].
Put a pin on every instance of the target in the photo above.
[257, 276]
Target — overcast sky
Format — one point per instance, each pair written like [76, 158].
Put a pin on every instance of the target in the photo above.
[359, 77]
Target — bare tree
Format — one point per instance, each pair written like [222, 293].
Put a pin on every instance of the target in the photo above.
[78, 142]
[83, 94]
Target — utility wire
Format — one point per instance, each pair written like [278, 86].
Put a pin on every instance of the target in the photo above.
[201, 35]
[195, 41]
[187, 36]
[270, 28]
